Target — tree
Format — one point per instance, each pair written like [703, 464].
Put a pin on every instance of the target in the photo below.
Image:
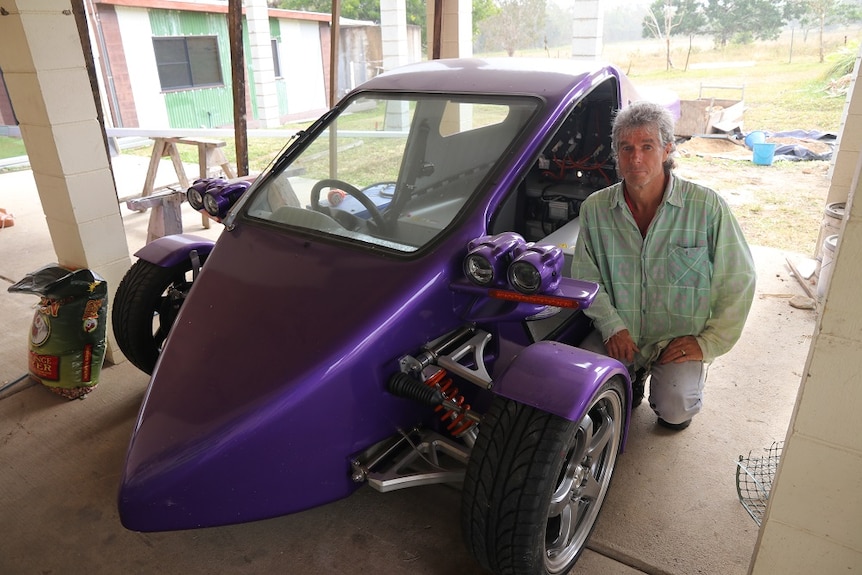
[517, 24]
[822, 13]
[558, 23]
[623, 23]
[354, 9]
[482, 10]
[743, 21]
[668, 17]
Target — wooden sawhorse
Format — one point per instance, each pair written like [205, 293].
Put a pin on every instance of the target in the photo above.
[211, 159]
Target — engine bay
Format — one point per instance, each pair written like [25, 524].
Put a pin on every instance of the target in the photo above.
[576, 162]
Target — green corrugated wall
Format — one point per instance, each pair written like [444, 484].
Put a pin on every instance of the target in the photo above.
[280, 86]
[208, 107]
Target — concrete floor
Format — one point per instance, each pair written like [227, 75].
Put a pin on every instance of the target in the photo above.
[672, 507]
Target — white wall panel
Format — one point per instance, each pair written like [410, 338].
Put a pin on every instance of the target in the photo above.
[302, 67]
[141, 61]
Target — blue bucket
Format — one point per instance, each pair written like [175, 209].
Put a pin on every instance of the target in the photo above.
[756, 137]
[763, 154]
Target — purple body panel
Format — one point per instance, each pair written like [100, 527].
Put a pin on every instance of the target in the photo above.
[558, 378]
[168, 251]
[274, 373]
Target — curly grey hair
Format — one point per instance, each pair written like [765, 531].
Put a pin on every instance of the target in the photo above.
[645, 114]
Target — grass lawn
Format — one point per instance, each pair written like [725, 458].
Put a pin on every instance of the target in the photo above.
[11, 147]
[782, 91]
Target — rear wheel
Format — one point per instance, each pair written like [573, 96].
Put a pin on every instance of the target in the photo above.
[536, 482]
[147, 303]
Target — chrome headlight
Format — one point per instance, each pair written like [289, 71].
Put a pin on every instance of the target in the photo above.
[488, 256]
[536, 268]
[478, 268]
[195, 193]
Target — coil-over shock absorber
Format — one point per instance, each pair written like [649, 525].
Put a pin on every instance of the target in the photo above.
[437, 391]
[424, 456]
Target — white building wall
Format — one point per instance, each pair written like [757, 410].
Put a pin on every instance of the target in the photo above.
[302, 66]
[137, 38]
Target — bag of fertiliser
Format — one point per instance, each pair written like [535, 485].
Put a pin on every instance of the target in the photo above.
[68, 334]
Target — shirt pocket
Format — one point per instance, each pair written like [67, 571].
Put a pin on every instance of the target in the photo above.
[689, 266]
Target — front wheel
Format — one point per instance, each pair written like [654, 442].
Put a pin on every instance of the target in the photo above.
[147, 303]
[535, 483]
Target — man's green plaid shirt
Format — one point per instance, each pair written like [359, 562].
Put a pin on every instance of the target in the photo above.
[692, 274]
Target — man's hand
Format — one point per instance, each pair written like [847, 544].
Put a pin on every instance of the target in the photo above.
[622, 347]
[681, 349]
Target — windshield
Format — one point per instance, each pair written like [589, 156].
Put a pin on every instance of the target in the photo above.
[392, 171]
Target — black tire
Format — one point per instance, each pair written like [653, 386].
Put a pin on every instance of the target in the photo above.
[535, 483]
[147, 302]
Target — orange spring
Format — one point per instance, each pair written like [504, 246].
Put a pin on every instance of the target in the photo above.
[458, 423]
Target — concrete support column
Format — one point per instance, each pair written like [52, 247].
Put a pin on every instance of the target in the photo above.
[848, 148]
[848, 152]
[260, 41]
[807, 528]
[456, 36]
[393, 32]
[812, 520]
[587, 30]
[45, 69]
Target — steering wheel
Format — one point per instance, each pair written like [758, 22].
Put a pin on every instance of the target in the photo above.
[353, 191]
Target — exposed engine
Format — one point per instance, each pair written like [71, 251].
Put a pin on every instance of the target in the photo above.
[577, 162]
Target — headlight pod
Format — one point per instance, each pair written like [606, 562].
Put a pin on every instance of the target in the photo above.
[489, 256]
[536, 268]
[195, 193]
[217, 202]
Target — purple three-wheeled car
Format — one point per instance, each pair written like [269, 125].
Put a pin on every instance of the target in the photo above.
[389, 305]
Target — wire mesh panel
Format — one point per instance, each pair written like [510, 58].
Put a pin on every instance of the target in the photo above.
[754, 477]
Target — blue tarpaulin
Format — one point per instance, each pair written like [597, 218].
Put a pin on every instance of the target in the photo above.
[798, 151]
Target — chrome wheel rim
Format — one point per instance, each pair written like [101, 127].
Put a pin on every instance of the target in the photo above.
[583, 481]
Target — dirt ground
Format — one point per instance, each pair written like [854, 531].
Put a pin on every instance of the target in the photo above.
[780, 205]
